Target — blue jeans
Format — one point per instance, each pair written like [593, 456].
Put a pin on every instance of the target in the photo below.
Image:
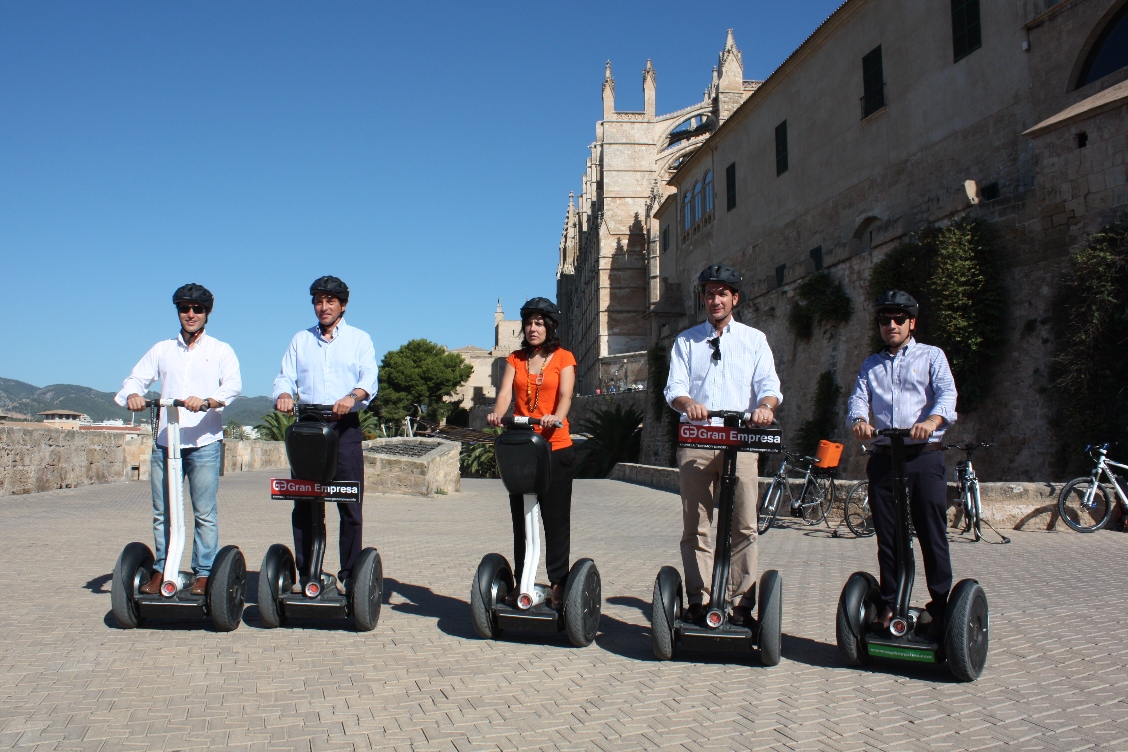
[201, 466]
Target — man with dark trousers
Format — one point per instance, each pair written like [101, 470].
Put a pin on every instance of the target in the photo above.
[907, 385]
[331, 363]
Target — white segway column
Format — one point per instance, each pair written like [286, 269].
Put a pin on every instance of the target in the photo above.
[530, 593]
[174, 480]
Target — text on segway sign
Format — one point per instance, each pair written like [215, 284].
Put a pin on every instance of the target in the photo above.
[287, 489]
[723, 437]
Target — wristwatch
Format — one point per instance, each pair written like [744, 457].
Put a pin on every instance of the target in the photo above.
[207, 402]
[765, 404]
[856, 421]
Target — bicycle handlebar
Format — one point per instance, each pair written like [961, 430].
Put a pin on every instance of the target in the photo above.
[968, 446]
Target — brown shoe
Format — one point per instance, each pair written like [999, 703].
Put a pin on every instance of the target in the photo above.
[200, 586]
[558, 596]
[153, 586]
[741, 616]
[885, 618]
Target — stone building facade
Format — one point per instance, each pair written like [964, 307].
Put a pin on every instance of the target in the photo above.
[890, 118]
[489, 365]
[607, 275]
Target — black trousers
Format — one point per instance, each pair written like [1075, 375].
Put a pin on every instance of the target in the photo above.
[928, 501]
[556, 513]
[350, 466]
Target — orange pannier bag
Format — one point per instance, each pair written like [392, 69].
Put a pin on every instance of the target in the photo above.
[829, 454]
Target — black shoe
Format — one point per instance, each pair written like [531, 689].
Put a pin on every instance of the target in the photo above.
[694, 614]
[741, 616]
[929, 628]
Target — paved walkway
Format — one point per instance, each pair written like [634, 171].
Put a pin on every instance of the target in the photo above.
[70, 680]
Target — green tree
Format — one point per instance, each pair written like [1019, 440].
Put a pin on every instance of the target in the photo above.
[273, 426]
[823, 424]
[616, 436]
[369, 425]
[479, 460]
[233, 430]
[820, 299]
[420, 373]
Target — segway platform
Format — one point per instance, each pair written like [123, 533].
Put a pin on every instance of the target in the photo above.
[669, 629]
[524, 461]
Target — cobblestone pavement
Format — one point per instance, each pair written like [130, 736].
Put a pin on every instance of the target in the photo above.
[71, 680]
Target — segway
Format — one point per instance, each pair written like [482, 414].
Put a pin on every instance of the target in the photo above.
[524, 461]
[227, 583]
[670, 629]
[311, 448]
[967, 622]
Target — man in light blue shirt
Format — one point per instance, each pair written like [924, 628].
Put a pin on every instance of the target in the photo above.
[331, 363]
[907, 385]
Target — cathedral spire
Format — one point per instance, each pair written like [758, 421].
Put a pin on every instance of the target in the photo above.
[649, 87]
[731, 66]
[608, 94]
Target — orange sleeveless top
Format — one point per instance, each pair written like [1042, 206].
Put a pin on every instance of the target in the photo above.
[535, 395]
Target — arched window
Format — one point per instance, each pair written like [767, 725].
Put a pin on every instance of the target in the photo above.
[708, 191]
[697, 201]
[1110, 53]
[688, 212]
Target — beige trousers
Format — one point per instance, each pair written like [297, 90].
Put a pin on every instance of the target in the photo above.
[700, 476]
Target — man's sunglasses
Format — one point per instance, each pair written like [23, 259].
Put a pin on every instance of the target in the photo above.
[898, 319]
[715, 343]
[193, 308]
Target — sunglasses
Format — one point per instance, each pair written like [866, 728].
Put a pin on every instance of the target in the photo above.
[715, 343]
[192, 308]
[898, 319]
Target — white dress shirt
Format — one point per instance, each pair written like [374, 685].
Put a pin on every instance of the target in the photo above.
[739, 381]
[319, 371]
[208, 370]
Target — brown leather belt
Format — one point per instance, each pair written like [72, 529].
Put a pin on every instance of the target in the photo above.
[912, 451]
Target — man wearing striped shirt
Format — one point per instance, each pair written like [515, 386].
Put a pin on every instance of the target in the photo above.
[907, 385]
[720, 364]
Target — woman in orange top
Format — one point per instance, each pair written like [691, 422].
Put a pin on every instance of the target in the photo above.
[541, 376]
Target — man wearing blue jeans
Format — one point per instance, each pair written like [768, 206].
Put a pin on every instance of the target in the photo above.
[191, 365]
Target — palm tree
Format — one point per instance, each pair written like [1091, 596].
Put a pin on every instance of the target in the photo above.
[369, 425]
[479, 460]
[234, 431]
[616, 436]
[273, 426]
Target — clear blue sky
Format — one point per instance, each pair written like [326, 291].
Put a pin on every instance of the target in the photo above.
[422, 152]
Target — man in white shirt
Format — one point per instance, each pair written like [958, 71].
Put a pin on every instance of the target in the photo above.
[720, 364]
[331, 363]
[189, 366]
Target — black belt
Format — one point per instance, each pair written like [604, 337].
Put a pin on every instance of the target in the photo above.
[912, 451]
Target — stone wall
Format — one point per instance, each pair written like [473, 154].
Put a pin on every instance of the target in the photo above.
[389, 466]
[240, 456]
[45, 459]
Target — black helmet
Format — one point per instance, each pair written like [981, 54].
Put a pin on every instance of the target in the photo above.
[897, 299]
[543, 306]
[193, 293]
[721, 274]
[331, 286]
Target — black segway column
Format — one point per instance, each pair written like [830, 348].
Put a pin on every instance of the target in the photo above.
[227, 585]
[669, 629]
[311, 448]
[966, 631]
[524, 461]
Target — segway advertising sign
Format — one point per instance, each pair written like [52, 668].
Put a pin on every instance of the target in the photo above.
[743, 439]
[341, 491]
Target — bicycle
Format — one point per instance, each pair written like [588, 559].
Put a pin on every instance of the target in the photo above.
[968, 485]
[1079, 504]
[814, 500]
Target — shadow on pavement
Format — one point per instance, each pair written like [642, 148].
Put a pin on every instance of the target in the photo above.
[98, 584]
[452, 614]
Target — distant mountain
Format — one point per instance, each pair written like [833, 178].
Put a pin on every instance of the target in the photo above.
[24, 399]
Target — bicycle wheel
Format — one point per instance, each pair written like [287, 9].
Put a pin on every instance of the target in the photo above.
[1084, 506]
[976, 516]
[818, 499]
[859, 517]
[769, 506]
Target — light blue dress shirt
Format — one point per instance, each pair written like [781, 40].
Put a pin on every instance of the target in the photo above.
[905, 389]
[317, 371]
[739, 381]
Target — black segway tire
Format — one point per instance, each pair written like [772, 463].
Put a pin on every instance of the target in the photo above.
[276, 575]
[770, 617]
[130, 572]
[583, 603]
[366, 589]
[665, 608]
[227, 589]
[492, 582]
[857, 606]
[967, 633]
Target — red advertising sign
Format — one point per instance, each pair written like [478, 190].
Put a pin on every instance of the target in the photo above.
[743, 439]
[289, 489]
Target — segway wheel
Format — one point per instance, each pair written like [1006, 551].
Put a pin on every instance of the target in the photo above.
[967, 633]
[130, 572]
[583, 603]
[770, 617]
[857, 607]
[227, 589]
[366, 590]
[276, 576]
[492, 582]
[665, 608]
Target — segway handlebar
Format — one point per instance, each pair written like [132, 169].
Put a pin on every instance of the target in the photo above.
[904, 433]
[164, 403]
[520, 420]
[308, 408]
